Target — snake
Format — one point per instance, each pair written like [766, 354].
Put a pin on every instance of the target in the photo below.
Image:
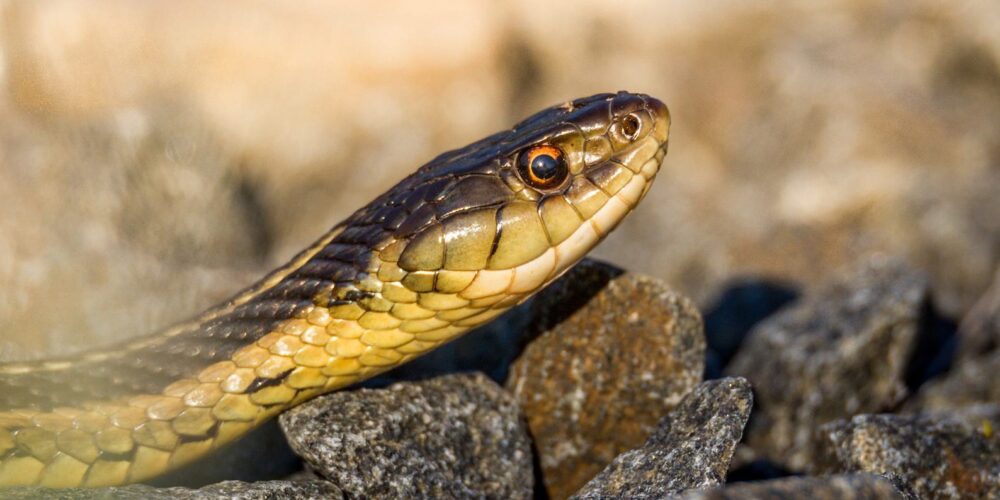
[464, 238]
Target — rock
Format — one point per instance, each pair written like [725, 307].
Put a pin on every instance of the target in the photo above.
[455, 436]
[614, 353]
[924, 458]
[235, 490]
[839, 487]
[980, 329]
[838, 352]
[973, 381]
[691, 447]
[979, 418]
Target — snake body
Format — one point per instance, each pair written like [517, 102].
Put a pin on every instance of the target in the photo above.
[469, 235]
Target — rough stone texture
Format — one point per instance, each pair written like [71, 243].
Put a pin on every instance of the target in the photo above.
[235, 490]
[691, 447]
[838, 487]
[456, 436]
[980, 329]
[973, 381]
[840, 351]
[924, 458]
[978, 418]
[616, 353]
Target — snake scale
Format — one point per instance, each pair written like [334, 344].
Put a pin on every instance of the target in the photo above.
[466, 237]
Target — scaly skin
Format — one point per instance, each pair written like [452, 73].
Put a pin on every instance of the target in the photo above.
[463, 239]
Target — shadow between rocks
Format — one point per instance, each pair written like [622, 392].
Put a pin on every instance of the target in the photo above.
[758, 470]
[742, 304]
[935, 347]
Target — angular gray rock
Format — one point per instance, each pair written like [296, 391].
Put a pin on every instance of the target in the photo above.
[923, 457]
[691, 447]
[235, 490]
[614, 353]
[838, 487]
[979, 418]
[840, 351]
[980, 329]
[456, 436]
[972, 382]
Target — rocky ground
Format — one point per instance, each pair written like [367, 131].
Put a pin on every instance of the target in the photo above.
[856, 390]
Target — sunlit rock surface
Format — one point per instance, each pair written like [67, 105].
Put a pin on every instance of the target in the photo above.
[924, 458]
[690, 449]
[614, 353]
[456, 436]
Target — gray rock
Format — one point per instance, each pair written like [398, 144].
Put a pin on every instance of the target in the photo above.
[983, 418]
[690, 449]
[972, 382]
[979, 418]
[980, 329]
[456, 436]
[924, 458]
[614, 353]
[236, 490]
[840, 351]
[839, 487]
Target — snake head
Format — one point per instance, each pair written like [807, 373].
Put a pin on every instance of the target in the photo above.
[500, 218]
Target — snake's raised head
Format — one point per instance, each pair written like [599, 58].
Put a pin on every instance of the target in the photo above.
[491, 223]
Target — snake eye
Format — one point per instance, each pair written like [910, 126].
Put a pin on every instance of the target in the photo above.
[542, 167]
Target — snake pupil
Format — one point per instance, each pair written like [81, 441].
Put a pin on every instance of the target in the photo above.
[544, 167]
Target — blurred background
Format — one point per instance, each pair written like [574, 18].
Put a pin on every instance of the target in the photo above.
[156, 156]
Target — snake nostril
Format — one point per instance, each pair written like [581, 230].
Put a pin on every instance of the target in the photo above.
[631, 125]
